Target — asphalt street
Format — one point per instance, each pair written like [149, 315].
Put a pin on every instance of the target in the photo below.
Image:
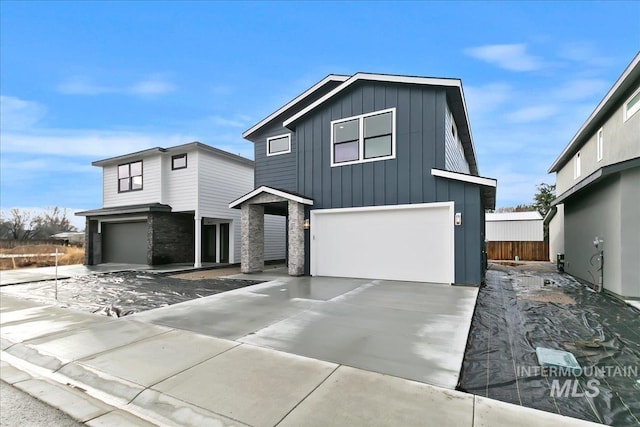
[18, 409]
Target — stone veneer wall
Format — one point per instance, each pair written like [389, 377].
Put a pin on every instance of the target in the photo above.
[171, 238]
[92, 243]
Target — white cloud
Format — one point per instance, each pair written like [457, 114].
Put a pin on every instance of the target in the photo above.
[82, 86]
[152, 86]
[585, 53]
[94, 144]
[532, 114]
[16, 113]
[513, 57]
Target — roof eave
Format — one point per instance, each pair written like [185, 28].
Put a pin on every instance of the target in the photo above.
[331, 77]
[609, 101]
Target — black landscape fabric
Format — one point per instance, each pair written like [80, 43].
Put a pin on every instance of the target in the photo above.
[519, 310]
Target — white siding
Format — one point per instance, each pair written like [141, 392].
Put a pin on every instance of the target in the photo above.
[453, 152]
[150, 193]
[181, 185]
[514, 231]
[221, 181]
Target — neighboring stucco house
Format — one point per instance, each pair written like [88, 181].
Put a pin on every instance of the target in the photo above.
[598, 182]
[170, 205]
[378, 178]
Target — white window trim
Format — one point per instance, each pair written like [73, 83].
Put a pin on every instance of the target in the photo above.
[628, 113]
[599, 144]
[361, 118]
[288, 135]
[577, 166]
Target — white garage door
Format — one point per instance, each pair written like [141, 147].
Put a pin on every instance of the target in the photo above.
[403, 242]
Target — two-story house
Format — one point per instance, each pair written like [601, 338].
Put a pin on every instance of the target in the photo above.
[170, 205]
[377, 177]
[598, 187]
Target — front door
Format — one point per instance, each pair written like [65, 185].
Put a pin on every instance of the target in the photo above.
[209, 243]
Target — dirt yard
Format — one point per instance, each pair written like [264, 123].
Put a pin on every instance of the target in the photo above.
[69, 255]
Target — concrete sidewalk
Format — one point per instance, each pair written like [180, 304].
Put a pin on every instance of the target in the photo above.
[106, 371]
[28, 275]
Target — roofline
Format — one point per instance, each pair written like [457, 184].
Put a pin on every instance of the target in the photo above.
[312, 89]
[264, 189]
[392, 78]
[196, 144]
[389, 78]
[473, 179]
[603, 107]
[596, 176]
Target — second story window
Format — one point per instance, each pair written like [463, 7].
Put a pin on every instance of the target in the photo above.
[364, 138]
[576, 166]
[280, 144]
[632, 105]
[179, 161]
[599, 145]
[130, 177]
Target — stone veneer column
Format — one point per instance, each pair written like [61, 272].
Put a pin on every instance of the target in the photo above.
[252, 247]
[296, 238]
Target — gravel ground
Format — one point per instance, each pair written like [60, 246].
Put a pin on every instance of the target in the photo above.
[124, 293]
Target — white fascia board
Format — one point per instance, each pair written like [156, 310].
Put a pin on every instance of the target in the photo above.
[431, 81]
[273, 191]
[330, 77]
[487, 182]
[556, 166]
[382, 208]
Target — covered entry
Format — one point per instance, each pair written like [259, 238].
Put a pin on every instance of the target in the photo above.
[254, 206]
[401, 242]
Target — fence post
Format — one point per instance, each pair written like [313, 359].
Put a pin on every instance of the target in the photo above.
[56, 274]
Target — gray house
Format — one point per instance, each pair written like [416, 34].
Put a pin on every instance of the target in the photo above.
[377, 177]
[598, 187]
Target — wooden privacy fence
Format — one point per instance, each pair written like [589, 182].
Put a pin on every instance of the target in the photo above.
[526, 251]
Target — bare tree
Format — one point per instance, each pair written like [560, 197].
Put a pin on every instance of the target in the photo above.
[21, 224]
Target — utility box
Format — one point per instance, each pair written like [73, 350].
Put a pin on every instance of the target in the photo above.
[560, 262]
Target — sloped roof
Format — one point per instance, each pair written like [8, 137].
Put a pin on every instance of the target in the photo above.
[182, 147]
[514, 216]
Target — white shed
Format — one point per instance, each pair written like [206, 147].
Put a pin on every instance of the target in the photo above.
[514, 227]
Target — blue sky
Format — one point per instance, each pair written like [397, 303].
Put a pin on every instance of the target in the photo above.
[82, 81]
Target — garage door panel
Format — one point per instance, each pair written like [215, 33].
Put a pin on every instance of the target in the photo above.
[124, 242]
[413, 243]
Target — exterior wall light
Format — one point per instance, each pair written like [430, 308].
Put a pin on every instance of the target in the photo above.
[307, 224]
[458, 218]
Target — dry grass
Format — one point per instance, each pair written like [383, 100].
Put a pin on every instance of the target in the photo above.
[69, 255]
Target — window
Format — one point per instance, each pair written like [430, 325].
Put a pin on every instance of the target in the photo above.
[130, 177]
[179, 161]
[632, 105]
[599, 144]
[576, 166]
[280, 144]
[364, 138]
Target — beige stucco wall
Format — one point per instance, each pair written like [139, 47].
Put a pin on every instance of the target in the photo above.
[630, 224]
[556, 234]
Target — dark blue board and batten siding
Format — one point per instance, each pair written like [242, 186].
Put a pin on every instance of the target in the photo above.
[420, 145]
[279, 171]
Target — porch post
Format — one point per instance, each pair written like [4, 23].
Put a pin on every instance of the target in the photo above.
[295, 242]
[197, 263]
[252, 246]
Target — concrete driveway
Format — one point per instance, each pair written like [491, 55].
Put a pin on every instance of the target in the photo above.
[416, 331]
